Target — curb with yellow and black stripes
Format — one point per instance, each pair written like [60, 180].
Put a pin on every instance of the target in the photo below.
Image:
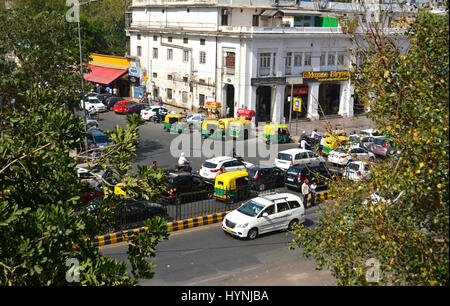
[172, 227]
[121, 236]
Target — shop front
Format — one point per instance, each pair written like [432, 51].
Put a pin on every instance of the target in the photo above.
[109, 71]
[327, 93]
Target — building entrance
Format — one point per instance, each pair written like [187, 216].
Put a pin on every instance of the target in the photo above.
[263, 103]
[329, 99]
[229, 91]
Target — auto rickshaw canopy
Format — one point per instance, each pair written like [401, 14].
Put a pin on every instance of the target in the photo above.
[227, 180]
[170, 118]
[271, 128]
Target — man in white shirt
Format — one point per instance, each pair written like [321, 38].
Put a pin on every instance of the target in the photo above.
[314, 134]
[305, 192]
[304, 144]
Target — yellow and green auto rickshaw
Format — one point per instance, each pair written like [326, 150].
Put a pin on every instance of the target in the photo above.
[180, 126]
[232, 186]
[211, 128]
[275, 132]
[171, 119]
[239, 128]
[333, 140]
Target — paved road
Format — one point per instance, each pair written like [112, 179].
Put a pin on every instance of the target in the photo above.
[206, 256]
[155, 144]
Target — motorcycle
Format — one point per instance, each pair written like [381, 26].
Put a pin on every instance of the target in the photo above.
[185, 168]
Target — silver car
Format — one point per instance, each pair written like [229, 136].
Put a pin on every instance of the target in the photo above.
[195, 121]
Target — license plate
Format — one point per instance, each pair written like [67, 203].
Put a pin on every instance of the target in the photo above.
[228, 229]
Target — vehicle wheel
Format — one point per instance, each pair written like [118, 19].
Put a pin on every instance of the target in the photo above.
[262, 187]
[210, 195]
[252, 234]
[292, 224]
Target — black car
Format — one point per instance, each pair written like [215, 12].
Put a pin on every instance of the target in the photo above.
[110, 101]
[297, 174]
[263, 178]
[134, 109]
[103, 97]
[133, 212]
[186, 187]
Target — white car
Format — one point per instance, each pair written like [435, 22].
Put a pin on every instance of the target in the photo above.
[265, 214]
[92, 101]
[356, 170]
[292, 157]
[342, 156]
[210, 168]
[150, 111]
[94, 180]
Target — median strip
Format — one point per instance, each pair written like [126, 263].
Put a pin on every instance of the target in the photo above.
[121, 236]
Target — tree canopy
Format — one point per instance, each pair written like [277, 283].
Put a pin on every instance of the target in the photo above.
[404, 239]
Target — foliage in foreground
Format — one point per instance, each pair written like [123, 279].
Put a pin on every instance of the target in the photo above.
[404, 242]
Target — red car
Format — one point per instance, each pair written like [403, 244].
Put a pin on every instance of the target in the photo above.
[120, 106]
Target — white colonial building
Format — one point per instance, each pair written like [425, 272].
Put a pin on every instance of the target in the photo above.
[246, 53]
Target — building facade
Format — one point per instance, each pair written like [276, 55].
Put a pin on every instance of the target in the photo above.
[256, 54]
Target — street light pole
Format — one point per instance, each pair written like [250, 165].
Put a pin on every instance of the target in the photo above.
[79, 4]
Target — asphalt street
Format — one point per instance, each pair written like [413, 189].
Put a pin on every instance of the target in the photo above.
[206, 256]
[155, 145]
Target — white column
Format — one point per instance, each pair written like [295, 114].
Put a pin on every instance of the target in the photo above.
[277, 103]
[343, 100]
[313, 101]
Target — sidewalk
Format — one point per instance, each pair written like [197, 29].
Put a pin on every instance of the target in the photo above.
[352, 124]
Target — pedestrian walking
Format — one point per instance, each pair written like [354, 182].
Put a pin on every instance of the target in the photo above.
[140, 98]
[312, 189]
[305, 192]
[114, 91]
[108, 90]
[160, 103]
[154, 166]
[228, 111]
[149, 99]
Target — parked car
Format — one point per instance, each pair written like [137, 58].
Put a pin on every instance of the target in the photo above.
[103, 97]
[263, 178]
[121, 105]
[98, 139]
[342, 156]
[110, 101]
[92, 101]
[94, 180]
[151, 112]
[292, 157]
[381, 147]
[133, 212]
[133, 109]
[356, 170]
[265, 214]
[297, 174]
[210, 168]
[186, 187]
[195, 121]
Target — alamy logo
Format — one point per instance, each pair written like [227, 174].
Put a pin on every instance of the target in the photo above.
[373, 272]
[73, 13]
[73, 273]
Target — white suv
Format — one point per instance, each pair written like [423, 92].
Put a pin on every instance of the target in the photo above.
[92, 101]
[210, 168]
[292, 157]
[265, 214]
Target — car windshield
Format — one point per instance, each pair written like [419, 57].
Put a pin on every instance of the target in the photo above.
[376, 133]
[252, 172]
[292, 171]
[101, 139]
[354, 167]
[251, 209]
[209, 165]
[93, 101]
[284, 156]
[380, 141]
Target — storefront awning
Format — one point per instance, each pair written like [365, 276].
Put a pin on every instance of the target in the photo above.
[103, 75]
[270, 13]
